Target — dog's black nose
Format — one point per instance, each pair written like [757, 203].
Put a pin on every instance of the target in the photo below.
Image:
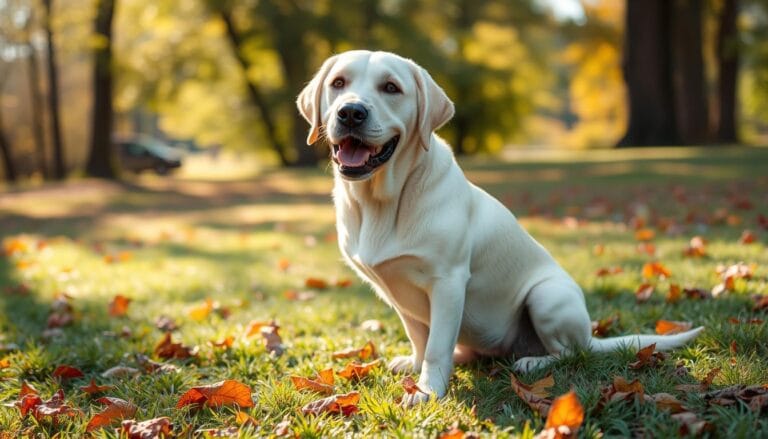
[352, 115]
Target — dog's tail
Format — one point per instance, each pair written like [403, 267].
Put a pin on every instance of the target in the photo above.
[663, 342]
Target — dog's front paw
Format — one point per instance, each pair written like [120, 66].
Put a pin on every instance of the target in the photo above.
[404, 364]
[528, 364]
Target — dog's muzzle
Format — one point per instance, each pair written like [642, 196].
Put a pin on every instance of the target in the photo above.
[356, 159]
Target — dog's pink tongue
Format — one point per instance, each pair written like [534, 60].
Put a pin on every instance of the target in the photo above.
[353, 156]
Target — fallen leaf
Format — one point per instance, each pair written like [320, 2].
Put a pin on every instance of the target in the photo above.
[565, 416]
[116, 409]
[66, 371]
[232, 431]
[668, 327]
[54, 408]
[316, 283]
[202, 311]
[605, 271]
[691, 425]
[272, 340]
[322, 383]
[166, 348]
[602, 327]
[674, 294]
[703, 386]
[747, 237]
[283, 427]
[410, 386]
[344, 404]
[357, 371]
[655, 269]
[665, 401]
[343, 282]
[92, 388]
[243, 418]
[696, 248]
[151, 366]
[647, 356]
[645, 234]
[150, 429]
[363, 353]
[535, 394]
[760, 302]
[696, 293]
[166, 324]
[283, 264]
[224, 343]
[29, 398]
[646, 247]
[227, 392]
[5, 363]
[643, 292]
[118, 307]
[454, 432]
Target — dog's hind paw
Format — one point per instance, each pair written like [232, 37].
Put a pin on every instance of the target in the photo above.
[404, 364]
[528, 364]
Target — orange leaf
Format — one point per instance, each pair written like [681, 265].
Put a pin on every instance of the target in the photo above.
[696, 247]
[645, 234]
[283, 264]
[166, 348]
[356, 371]
[672, 327]
[605, 271]
[316, 283]
[453, 433]
[674, 293]
[65, 371]
[364, 353]
[643, 292]
[344, 404]
[227, 392]
[747, 237]
[410, 386]
[224, 343]
[652, 269]
[92, 388]
[5, 363]
[647, 356]
[601, 327]
[152, 428]
[535, 395]
[343, 283]
[243, 418]
[202, 311]
[115, 409]
[315, 385]
[54, 408]
[566, 411]
[119, 306]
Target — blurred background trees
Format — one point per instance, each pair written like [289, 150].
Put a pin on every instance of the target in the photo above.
[224, 73]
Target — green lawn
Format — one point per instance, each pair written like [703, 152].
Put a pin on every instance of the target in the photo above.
[176, 242]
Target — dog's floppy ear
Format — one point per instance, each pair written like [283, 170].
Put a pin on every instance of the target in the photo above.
[308, 101]
[434, 107]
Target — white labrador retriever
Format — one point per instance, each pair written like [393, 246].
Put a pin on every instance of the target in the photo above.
[465, 278]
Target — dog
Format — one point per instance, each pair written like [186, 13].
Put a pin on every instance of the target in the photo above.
[464, 277]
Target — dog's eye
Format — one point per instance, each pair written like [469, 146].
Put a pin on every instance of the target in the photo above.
[391, 88]
[338, 83]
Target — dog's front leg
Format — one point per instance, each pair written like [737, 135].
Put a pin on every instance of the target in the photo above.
[417, 334]
[446, 308]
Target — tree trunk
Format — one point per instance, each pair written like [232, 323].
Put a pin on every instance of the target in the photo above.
[100, 156]
[36, 107]
[688, 71]
[728, 60]
[255, 94]
[647, 73]
[5, 152]
[59, 170]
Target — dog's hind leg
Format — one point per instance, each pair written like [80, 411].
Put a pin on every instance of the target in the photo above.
[559, 317]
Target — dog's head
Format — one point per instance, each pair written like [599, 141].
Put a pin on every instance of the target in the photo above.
[370, 106]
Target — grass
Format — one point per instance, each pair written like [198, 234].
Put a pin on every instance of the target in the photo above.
[183, 241]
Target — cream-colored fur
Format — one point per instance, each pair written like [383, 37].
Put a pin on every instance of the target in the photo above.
[465, 278]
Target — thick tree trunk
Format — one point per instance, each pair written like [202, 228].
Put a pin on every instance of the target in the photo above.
[688, 72]
[647, 73]
[9, 170]
[59, 170]
[254, 93]
[100, 156]
[36, 107]
[728, 60]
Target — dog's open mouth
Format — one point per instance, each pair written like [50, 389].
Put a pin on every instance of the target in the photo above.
[357, 159]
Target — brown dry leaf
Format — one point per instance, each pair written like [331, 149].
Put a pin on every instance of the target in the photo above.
[643, 292]
[272, 340]
[696, 293]
[410, 386]
[647, 357]
[54, 408]
[565, 416]
[322, 383]
[116, 409]
[118, 306]
[92, 388]
[621, 390]
[605, 271]
[703, 386]
[655, 269]
[363, 353]
[665, 401]
[166, 348]
[66, 371]
[535, 394]
[150, 429]
[316, 283]
[344, 404]
[227, 392]
[151, 366]
[674, 294]
[602, 327]
[747, 237]
[691, 425]
[760, 302]
[696, 248]
[357, 371]
[667, 327]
